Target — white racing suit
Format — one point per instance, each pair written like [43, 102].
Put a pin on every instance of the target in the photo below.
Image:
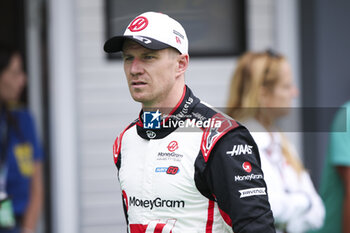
[199, 172]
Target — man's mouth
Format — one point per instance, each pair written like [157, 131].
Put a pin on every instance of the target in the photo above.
[138, 83]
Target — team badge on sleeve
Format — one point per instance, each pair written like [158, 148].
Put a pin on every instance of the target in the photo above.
[212, 134]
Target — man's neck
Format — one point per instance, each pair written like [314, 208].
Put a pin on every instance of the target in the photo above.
[166, 106]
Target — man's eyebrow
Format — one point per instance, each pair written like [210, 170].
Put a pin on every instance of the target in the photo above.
[145, 53]
[150, 53]
[125, 54]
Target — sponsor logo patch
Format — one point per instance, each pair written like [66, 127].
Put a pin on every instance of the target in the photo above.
[248, 177]
[252, 192]
[247, 167]
[138, 24]
[169, 156]
[240, 149]
[171, 170]
[179, 34]
[161, 169]
[142, 39]
[157, 225]
[156, 203]
[173, 146]
[151, 134]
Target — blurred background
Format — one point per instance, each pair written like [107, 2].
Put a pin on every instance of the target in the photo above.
[80, 99]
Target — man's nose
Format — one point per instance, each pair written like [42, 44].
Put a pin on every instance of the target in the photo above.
[136, 67]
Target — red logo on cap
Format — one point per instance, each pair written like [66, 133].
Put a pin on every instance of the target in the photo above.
[138, 24]
[178, 40]
[247, 167]
[173, 146]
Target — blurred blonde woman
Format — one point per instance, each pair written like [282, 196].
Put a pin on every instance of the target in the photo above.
[261, 92]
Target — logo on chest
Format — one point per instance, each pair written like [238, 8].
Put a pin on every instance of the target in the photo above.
[173, 146]
[169, 153]
[171, 170]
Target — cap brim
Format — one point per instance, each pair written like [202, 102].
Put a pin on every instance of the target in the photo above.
[115, 44]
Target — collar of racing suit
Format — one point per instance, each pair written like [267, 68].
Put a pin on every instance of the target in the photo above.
[182, 111]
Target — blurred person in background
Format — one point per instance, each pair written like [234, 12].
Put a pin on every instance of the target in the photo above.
[335, 182]
[261, 92]
[21, 184]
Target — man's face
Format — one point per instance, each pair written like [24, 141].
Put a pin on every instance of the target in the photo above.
[151, 74]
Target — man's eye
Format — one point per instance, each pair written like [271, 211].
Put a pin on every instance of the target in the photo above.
[128, 58]
[148, 57]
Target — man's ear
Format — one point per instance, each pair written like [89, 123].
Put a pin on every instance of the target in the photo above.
[182, 64]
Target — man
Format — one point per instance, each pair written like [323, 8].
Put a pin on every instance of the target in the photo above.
[335, 185]
[182, 166]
